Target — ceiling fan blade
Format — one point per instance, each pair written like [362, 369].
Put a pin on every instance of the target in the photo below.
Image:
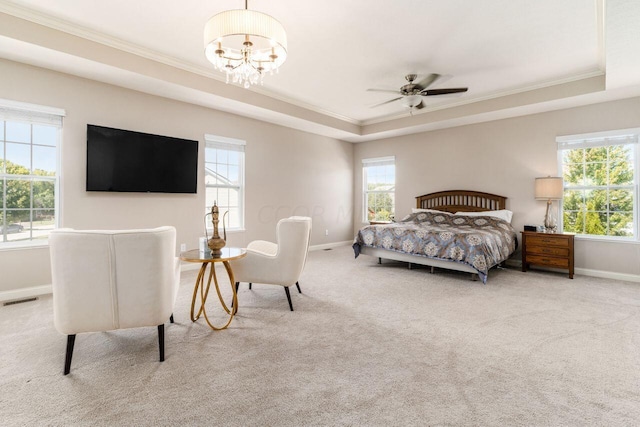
[386, 102]
[431, 92]
[384, 90]
[428, 80]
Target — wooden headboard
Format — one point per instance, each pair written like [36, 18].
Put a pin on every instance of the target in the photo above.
[461, 201]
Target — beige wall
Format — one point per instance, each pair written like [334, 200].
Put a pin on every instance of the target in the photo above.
[288, 172]
[292, 172]
[502, 157]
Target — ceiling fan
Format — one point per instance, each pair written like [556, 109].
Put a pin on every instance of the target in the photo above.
[412, 93]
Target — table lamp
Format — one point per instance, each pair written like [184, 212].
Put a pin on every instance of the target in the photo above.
[549, 188]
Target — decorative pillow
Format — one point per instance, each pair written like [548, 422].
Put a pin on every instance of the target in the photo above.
[503, 214]
[416, 210]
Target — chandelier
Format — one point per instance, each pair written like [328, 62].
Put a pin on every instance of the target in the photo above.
[245, 44]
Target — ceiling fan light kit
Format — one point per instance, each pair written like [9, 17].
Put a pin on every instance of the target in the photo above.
[245, 44]
[411, 94]
[411, 101]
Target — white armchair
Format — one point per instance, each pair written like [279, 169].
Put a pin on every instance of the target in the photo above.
[277, 263]
[105, 280]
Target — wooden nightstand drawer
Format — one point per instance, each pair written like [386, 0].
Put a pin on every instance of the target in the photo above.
[547, 261]
[549, 240]
[547, 250]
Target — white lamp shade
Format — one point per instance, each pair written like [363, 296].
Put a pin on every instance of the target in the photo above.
[549, 188]
[231, 27]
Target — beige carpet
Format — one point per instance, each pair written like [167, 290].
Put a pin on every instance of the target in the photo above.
[367, 345]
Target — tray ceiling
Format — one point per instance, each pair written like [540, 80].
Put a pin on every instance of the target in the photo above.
[504, 51]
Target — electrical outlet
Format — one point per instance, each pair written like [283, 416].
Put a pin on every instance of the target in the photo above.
[183, 247]
[326, 232]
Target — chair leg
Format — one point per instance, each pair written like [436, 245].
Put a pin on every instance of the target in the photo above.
[286, 289]
[237, 286]
[161, 341]
[171, 319]
[71, 339]
[298, 286]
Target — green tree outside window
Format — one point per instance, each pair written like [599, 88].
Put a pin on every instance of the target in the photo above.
[379, 177]
[599, 190]
[28, 178]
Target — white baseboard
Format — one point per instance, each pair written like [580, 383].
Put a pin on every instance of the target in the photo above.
[190, 266]
[516, 263]
[18, 294]
[330, 245]
[608, 275]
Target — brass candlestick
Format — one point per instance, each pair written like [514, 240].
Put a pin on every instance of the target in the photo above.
[216, 243]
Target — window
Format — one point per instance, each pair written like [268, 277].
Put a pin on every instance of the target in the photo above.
[29, 196]
[224, 178]
[600, 181]
[379, 178]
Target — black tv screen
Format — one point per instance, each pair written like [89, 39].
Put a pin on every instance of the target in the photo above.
[122, 160]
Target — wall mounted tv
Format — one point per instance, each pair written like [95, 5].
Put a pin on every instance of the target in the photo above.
[122, 160]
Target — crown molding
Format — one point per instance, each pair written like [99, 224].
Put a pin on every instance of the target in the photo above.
[304, 105]
[110, 41]
[86, 33]
[67, 27]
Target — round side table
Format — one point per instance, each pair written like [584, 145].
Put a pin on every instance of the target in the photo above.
[208, 260]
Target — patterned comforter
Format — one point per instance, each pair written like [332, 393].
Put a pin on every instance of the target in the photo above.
[480, 242]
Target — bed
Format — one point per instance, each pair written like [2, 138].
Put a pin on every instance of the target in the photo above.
[477, 239]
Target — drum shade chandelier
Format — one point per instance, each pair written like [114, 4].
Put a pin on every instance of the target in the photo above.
[245, 44]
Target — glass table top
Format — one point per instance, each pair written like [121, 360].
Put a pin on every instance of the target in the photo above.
[228, 254]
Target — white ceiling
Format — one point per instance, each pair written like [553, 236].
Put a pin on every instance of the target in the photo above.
[338, 49]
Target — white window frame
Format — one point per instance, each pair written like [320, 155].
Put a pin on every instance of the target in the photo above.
[602, 139]
[33, 114]
[377, 161]
[229, 144]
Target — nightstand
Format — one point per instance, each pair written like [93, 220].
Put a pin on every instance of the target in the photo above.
[547, 250]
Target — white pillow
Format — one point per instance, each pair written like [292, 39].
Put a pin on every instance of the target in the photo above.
[416, 210]
[503, 214]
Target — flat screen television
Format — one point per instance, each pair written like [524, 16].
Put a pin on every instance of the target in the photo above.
[126, 161]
